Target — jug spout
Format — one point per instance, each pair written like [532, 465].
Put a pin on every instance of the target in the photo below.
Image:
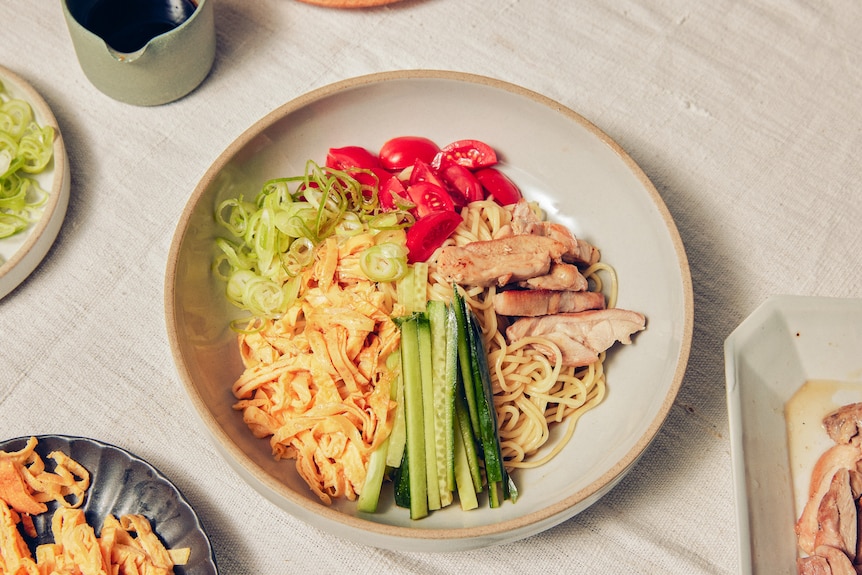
[125, 57]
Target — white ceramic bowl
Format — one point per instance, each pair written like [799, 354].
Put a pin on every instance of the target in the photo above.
[786, 342]
[580, 177]
[23, 252]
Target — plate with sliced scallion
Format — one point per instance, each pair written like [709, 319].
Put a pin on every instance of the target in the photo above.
[34, 179]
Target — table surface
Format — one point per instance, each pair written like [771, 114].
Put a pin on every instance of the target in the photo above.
[745, 116]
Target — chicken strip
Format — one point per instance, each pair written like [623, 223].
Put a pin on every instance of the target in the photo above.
[837, 457]
[813, 565]
[836, 516]
[580, 336]
[559, 277]
[545, 302]
[526, 222]
[839, 563]
[499, 261]
[844, 423]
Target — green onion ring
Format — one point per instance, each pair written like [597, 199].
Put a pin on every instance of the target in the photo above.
[384, 262]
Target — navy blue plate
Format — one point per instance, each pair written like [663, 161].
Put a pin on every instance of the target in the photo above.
[122, 483]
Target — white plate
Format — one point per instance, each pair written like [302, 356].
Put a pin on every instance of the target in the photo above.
[786, 342]
[579, 176]
[23, 252]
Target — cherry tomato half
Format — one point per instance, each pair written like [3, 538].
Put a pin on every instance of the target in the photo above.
[351, 157]
[472, 154]
[463, 182]
[429, 233]
[429, 198]
[498, 185]
[401, 152]
[422, 172]
[391, 190]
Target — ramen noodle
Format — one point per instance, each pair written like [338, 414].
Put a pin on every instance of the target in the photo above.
[530, 392]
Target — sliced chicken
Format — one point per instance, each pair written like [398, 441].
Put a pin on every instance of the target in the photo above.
[858, 532]
[526, 222]
[559, 277]
[844, 423]
[545, 302]
[580, 336]
[856, 482]
[499, 261]
[839, 563]
[836, 516]
[813, 565]
[837, 457]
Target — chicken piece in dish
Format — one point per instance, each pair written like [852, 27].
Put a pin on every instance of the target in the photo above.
[827, 561]
[836, 516]
[561, 276]
[499, 261]
[828, 528]
[844, 423]
[538, 302]
[836, 458]
[526, 222]
[813, 565]
[580, 336]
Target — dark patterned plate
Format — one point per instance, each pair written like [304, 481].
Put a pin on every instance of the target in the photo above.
[122, 483]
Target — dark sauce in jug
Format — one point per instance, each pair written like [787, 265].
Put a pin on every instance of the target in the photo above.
[127, 25]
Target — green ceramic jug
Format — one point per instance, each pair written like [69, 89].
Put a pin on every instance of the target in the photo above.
[143, 52]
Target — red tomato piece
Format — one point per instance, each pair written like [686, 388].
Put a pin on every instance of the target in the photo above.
[372, 179]
[351, 157]
[463, 182]
[422, 172]
[472, 154]
[429, 233]
[429, 198]
[391, 189]
[499, 186]
[401, 152]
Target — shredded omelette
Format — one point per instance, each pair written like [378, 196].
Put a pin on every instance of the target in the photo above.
[125, 546]
[315, 379]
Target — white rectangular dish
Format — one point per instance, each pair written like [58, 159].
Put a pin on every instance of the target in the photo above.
[786, 342]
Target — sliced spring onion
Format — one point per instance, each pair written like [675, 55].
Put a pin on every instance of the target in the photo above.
[274, 238]
[394, 220]
[25, 148]
[11, 224]
[349, 226]
[233, 214]
[384, 262]
[15, 116]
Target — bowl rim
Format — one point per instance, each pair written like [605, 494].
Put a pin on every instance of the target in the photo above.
[45, 230]
[551, 514]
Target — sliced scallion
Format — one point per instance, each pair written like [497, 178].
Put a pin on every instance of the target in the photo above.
[26, 148]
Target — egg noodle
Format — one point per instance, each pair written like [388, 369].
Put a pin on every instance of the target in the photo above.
[316, 381]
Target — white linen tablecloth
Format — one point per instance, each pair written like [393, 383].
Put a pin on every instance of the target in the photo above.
[745, 115]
